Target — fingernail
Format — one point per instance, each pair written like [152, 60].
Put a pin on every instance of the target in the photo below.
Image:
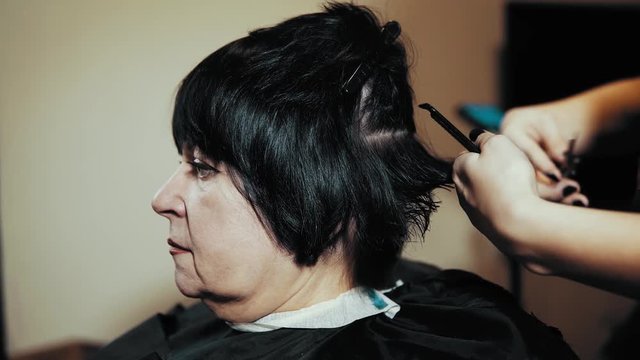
[578, 203]
[473, 134]
[569, 190]
[552, 177]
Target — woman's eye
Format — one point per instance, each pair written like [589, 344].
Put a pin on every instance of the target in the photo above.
[203, 171]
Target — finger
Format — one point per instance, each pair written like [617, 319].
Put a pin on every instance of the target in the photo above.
[461, 165]
[474, 133]
[548, 189]
[557, 191]
[538, 157]
[461, 189]
[576, 199]
[550, 138]
[462, 200]
[480, 136]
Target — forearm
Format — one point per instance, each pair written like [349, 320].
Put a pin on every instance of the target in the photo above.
[598, 108]
[596, 247]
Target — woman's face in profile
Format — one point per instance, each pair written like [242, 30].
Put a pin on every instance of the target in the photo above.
[221, 250]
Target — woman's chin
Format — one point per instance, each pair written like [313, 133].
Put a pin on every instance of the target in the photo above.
[187, 286]
[231, 312]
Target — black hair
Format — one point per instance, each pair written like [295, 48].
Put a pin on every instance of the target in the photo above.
[315, 162]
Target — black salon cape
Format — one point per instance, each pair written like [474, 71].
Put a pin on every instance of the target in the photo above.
[448, 314]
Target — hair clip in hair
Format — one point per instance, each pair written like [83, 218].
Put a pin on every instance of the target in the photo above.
[389, 33]
[357, 79]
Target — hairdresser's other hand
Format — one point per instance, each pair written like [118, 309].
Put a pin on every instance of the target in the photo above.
[494, 185]
[536, 131]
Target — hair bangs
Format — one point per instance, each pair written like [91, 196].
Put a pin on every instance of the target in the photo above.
[207, 111]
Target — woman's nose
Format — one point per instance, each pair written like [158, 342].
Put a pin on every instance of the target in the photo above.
[168, 201]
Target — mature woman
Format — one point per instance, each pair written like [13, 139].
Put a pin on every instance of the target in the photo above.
[301, 179]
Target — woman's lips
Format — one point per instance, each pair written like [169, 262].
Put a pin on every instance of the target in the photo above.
[176, 249]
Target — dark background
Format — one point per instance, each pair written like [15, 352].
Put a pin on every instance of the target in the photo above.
[556, 50]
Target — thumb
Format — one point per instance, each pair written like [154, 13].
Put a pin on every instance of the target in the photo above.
[461, 167]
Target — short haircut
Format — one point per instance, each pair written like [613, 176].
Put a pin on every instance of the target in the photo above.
[317, 163]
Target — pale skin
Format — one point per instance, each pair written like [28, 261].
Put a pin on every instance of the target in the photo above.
[224, 255]
[498, 190]
[543, 131]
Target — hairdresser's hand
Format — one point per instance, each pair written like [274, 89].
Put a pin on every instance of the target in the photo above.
[493, 185]
[497, 184]
[537, 133]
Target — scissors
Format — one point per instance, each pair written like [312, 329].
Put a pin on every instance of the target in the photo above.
[569, 170]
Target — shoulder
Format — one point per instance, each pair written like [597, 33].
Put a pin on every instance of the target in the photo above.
[451, 314]
[150, 339]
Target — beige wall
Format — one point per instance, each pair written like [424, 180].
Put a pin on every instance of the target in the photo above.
[85, 100]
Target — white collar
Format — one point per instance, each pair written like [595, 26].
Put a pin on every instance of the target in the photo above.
[352, 305]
